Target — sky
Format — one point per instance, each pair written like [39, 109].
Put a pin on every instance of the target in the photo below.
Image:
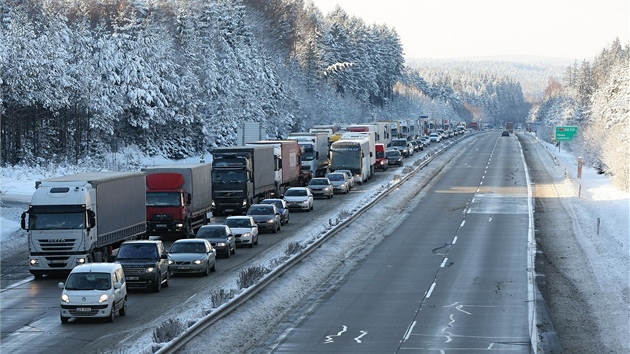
[447, 29]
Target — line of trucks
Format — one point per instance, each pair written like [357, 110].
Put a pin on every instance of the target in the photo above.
[82, 218]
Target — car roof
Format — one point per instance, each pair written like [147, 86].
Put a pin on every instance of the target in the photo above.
[99, 267]
[272, 200]
[298, 188]
[139, 242]
[213, 226]
[190, 240]
[238, 217]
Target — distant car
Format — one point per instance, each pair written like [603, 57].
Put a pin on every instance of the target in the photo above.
[401, 145]
[410, 148]
[299, 198]
[267, 217]
[321, 186]
[282, 208]
[425, 140]
[221, 238]
[350, 178]
[394, 157]
[192, 255]
[435, 137]
[505, 133]
[339, 181]
[417, 145]
[244, 228]
[451, 134]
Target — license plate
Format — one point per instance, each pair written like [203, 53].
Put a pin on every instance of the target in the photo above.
[183, 267]
[132, 278]
[160, 225]
[83, 309]
[228, 210]
[58, 261]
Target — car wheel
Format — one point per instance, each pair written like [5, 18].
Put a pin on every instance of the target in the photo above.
[275, 230]
[207, 271]
[123, 309]
[168, 279]
[256, 242]
[65, 319]
[112, 313]
[234, 249]
[158, 286]
[227, 254]
[214, 266]
[287, 220]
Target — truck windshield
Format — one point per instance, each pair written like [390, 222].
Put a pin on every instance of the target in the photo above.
[308, 153]
[56, 221]
[231, 177]
[164, 199]
[345, 159]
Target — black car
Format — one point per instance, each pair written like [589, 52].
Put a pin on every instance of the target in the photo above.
[505, 133]
[394, 157]
[266, 216]
[220, 237]
[145, 264]
[417, 145]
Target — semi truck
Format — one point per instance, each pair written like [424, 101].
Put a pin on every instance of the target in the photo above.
[287, 169]
[509, 126]
[80, 218]
[371, 147]
[353, 155]
[314, 148]
[179, 198]
[241, 176]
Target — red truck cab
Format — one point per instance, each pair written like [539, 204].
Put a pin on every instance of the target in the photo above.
[167, 204]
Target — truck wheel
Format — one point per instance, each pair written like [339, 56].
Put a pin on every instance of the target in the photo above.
[37, 275]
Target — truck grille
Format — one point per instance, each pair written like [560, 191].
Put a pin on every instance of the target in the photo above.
[57, 262]
[161, 217]
[56, 245]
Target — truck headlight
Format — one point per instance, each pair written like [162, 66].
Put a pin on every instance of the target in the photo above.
[34, 262]
[65, 298]
[244, 204]
[103, 298]
[80, 260]
[221, 244]
[179, 225]
[150, 270]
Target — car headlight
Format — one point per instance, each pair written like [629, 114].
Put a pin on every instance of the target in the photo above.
[150, 270]
[103, 298]
[247, 234]
[65, 298]
[221, 244]
[271, 221]
[197, 261]
[170, 261]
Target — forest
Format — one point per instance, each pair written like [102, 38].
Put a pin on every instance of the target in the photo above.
[81, 80]
[176, 78]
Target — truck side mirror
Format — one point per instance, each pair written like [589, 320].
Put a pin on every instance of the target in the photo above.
[23, 222]
[317, 155]
[91, 219]
[188, 198]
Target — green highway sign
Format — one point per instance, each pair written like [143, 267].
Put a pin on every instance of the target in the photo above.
[565, 133]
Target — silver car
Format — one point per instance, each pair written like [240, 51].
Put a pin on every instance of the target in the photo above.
[321, 187]
[193, 255]
[339, 181]
[299, 198]
[350, 179]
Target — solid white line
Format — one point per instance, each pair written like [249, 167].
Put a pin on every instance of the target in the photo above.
[430, 290]
[409, 330]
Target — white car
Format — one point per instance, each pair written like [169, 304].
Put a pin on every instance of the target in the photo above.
[244, 229]
[94, 290]
[299, 198]
[435, 137]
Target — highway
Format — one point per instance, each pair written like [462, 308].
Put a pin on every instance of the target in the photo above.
[451, 277]
[451, 247]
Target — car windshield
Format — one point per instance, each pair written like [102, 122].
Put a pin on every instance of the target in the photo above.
[259, 211]
[188, 247]
[238, 223]
[88, 281]
[295, 193]
[209, 232]
[318, 182]
[393, 153]
[137, 251]
[399, 143]
[335, 177]
[277, 203]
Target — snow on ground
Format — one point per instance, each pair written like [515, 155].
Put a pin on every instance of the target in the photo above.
[599, 208]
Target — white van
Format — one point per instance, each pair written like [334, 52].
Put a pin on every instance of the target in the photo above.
[94, 290]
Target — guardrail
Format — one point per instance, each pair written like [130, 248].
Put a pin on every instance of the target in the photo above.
[225, 309]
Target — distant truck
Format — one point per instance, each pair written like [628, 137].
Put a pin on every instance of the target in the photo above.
[79, 218]
[314, 148]
[509, 126]
[241, 176]
[473, 126]
[381, 158]
[287, 159]
[371, 146]
[353, 155]
[179, 198]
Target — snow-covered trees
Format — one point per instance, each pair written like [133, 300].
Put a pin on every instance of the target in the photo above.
[594, 97]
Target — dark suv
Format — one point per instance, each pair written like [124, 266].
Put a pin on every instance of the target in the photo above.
[145, 264]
